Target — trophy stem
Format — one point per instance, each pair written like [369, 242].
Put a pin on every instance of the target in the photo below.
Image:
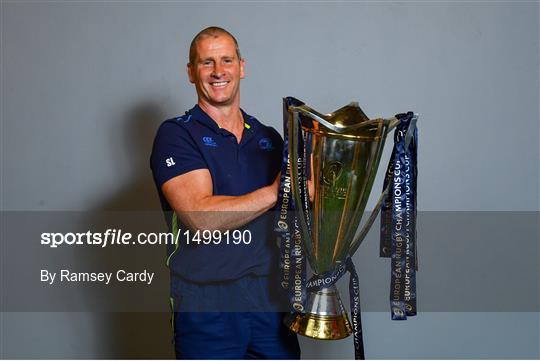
[325, 317]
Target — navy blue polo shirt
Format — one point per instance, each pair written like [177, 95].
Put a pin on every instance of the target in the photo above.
[195, 141]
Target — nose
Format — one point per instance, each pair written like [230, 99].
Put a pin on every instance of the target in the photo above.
[218, 70]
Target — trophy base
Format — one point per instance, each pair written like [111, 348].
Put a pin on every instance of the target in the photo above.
[319, 327]
[325, 317]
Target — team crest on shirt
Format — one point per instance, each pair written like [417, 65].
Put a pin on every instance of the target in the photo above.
[266, 144]
[209, 141]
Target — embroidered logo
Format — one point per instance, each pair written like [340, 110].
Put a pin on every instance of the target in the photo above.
[170, 162]
[209, 141]
[266, 144]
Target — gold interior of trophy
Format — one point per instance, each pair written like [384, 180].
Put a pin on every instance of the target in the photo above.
[345, 149]
[353, 122]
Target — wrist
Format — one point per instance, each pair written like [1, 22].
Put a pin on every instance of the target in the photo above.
[271, 195]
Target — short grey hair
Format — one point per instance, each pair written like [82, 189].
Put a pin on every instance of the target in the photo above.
[211, 31]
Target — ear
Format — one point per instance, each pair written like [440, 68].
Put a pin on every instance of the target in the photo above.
[190, 73]
[242, 70]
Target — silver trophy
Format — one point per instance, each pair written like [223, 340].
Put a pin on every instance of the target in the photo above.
[344, 149]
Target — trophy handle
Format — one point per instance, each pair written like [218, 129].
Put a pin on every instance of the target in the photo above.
[298, 202]
[357, 241]
[393, 122]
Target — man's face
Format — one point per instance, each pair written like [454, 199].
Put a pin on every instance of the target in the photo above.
[217, 71]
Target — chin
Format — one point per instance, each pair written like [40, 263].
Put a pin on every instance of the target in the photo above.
[221, 101]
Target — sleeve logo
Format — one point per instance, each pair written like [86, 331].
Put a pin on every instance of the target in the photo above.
[170, 162]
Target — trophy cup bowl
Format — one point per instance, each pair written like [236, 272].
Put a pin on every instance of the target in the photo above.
[344, 149]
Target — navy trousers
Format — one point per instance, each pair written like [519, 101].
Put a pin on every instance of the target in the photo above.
[232, 320]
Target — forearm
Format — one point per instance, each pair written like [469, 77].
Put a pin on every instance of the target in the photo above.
[228, 212]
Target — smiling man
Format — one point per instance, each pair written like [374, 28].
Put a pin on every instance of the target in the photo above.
[216, 170]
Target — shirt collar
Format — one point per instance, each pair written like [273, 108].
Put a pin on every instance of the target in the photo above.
[250, 123]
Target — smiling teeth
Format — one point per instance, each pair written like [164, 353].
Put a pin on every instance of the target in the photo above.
[219, 84]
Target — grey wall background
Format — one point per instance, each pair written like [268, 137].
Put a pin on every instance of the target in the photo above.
[85, 85]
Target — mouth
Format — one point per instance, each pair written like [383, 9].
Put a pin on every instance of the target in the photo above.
[219, 84]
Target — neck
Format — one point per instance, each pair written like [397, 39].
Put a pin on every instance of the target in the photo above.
[228, 117]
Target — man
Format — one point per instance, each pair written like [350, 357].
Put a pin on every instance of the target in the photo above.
[216, 168]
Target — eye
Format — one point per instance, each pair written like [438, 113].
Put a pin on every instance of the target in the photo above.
[207, 62]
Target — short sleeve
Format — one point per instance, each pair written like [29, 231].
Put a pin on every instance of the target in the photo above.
[174, 153]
